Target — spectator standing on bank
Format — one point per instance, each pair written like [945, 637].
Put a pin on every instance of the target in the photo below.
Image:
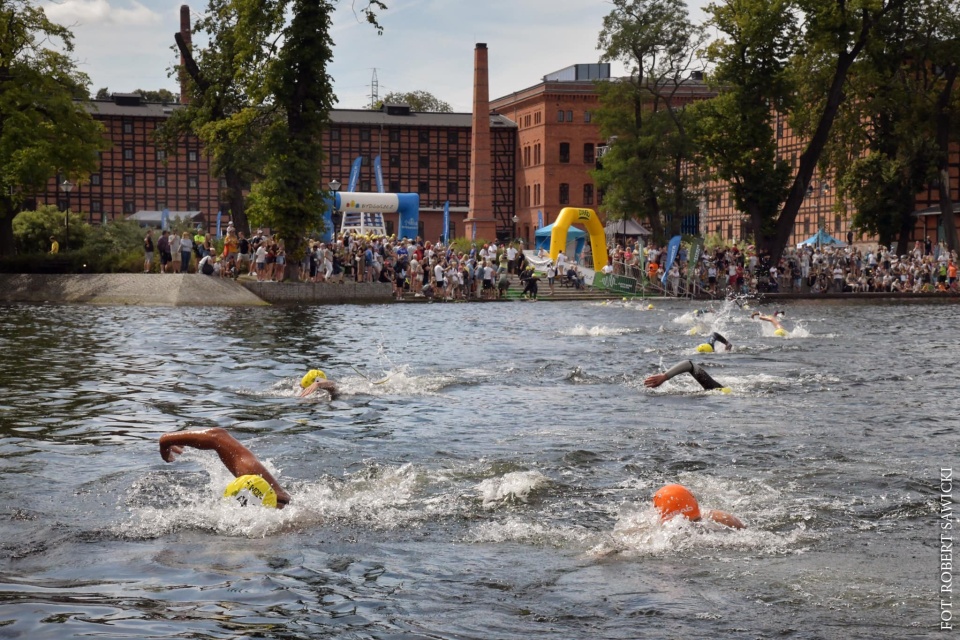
[186, 248]
[148, 251]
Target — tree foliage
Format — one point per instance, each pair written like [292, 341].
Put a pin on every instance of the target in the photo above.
[788, 56]
[44, 129]
[422, 101]
[642, 173]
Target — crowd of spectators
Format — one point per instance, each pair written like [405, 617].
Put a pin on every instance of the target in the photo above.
[926, 267]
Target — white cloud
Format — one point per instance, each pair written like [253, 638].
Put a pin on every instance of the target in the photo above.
[93, 12]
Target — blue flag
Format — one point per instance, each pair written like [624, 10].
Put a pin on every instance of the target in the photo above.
[672, 248]
[219, 215]
[378, 172]
[164, 218]
[446, 222]
[354, 175]
[539, 218]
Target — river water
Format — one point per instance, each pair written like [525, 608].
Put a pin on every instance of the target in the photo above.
[487, 472]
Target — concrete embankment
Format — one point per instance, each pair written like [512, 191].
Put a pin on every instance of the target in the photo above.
[180, 290]
[148, 289]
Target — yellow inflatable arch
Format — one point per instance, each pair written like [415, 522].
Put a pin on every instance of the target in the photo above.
[587, 217]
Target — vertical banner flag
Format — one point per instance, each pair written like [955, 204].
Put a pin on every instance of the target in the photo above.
[378, 173]
[446, 222]
[672, 248]
[354, 175]
[164, 218]
[693, 259]
[219, 215]
[539, 218]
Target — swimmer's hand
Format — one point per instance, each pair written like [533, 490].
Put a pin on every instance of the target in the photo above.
[655, 380]
[724, 518]
[169, 452]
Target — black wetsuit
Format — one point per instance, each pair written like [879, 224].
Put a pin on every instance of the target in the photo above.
[696, 371]
[715, 337]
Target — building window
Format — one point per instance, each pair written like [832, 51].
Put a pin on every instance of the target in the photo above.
[560, 115]
[334, 158]
[364, 135]
[536, 153]
[394, 161]
[423, 187]
[161, 181]
[424, 136]
[62, 205]
[588, 194]
[193, 182]
[453, 162]
[453, 188]
[128, 154]
[589, 156]
[394, 186]
[364, 161]
[161, 155]
[394, 135]
[95, 180]
[334, 134]
[536, 195]
[194, 206]
[453, 137]
[453, 229]
[587, 116]
[192, 156]
[424, 162]
[569, 116]
[536, 118]
[95, 206]
[365, 185]
[161, 206]
[526, 156]
[564, 193]
[564, 152]
[526, 196]
[128, 181]
[128, 207]
[127, 126]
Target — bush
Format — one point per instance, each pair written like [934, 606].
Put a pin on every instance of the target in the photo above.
[32, 230]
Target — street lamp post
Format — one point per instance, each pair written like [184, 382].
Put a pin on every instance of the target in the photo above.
[66, 186]
[516, 219]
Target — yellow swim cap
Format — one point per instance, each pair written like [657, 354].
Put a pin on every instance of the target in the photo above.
[251, 490]
[704, 348]
[726, 390]
[311, 377]
[780, 332]
[692, 332]
[650, 306]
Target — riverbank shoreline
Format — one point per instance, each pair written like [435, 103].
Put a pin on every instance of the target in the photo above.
[176, 290]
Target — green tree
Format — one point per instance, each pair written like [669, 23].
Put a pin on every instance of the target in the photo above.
[643, 172]
[422, 101]
[44, 128]
[32, 229]
[786, 56]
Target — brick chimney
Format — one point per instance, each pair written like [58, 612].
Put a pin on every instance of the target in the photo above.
[480, 222]
[185, 32]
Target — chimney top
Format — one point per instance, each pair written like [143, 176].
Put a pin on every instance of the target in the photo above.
[481, 45]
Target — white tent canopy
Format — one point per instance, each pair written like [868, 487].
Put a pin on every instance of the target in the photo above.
[625, 228]
[154, 218]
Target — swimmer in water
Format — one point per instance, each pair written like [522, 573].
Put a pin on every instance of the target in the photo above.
[686, 366]
[253, 482]
[316, 379]
[710, 345]
[778, 328]
[676, 500]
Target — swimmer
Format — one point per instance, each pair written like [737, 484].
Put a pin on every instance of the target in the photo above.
[316, 379]
[675, 499]
[778, 328]
[686, 366]
[250, 472]
[710, 345]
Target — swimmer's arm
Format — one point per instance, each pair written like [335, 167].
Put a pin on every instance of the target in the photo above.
[327, 385]
[724, 518]
[239, 460]
[658, 379]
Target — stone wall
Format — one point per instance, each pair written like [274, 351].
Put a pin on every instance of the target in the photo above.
[321, 293]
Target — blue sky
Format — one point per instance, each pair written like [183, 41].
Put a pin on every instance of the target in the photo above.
[426, 44]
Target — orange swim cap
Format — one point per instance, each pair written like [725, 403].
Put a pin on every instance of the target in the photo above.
[675, 499]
